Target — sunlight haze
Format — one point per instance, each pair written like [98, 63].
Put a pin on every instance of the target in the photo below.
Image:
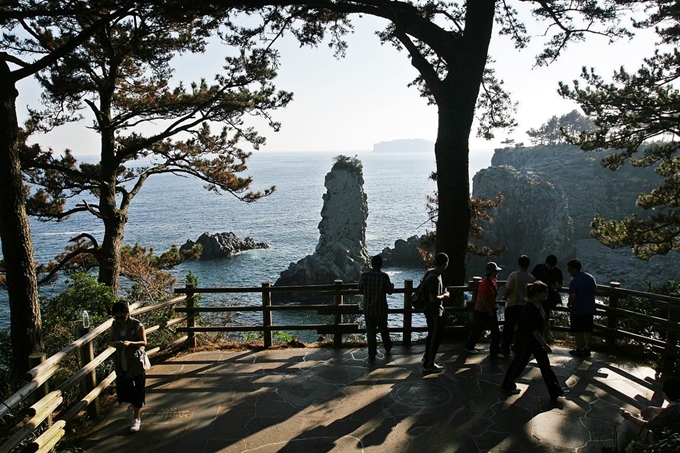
[349, 104]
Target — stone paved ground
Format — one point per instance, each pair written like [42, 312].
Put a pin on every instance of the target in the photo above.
[325, 400]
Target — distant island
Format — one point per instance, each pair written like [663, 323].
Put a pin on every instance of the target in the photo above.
[407, 145]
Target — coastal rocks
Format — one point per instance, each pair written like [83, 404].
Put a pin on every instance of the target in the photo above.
[533, 218]
[551, 195]
[341, 251]
[221, 245]
[406, 253]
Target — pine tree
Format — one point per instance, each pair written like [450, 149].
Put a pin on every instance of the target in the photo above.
[636, 115]
[123, 76]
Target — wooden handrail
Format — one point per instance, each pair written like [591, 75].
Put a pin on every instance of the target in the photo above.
[38, 375]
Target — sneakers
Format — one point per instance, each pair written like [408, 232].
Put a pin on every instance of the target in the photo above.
[434, 368]
[580, 352]
[511, 389]
[136, 423]
[563, 392]
[473, 351]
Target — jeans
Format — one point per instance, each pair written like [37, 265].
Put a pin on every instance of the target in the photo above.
[435, 332]
[374, 324]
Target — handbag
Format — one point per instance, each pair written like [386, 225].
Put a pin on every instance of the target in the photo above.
[141, 355]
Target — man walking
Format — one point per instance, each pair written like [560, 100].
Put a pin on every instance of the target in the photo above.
[581, 307]
[375, 285]
[434, 312]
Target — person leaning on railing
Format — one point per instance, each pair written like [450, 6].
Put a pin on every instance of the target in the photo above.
[128, 336]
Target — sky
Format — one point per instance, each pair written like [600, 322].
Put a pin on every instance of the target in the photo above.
[349, 104]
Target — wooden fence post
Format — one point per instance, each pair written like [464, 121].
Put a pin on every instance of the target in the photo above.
[266, 314]
[337, 300]
[191, 320]
[612, 318]
[671, 337]
[89, 380]
[408, 315]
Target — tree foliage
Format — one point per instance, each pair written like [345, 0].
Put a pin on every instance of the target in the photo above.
[17, 64]
[448, 44]
[556, 129]
[123, 76]
[636, 116]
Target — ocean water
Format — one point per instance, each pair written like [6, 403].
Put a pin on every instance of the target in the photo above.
[171, 209]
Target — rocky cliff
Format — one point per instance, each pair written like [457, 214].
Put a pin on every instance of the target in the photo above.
[551, 195]
[341, 251]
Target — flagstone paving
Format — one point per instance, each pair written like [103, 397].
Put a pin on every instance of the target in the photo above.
[326, 400]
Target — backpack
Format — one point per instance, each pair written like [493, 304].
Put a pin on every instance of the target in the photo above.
[421, 298]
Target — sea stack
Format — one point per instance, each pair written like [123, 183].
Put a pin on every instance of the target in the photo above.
[341, 252]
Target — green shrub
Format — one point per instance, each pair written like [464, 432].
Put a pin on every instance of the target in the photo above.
[668, 443]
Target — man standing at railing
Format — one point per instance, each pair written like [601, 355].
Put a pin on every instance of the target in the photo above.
[515, 296]
[434, 312]
[551, 275]
[375, 285]
[581, 307]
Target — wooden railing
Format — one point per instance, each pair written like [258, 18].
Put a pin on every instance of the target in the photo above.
[47, 403]
[38, 418]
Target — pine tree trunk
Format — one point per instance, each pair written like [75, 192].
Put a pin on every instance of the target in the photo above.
[114, 233]
[17, 247]
[456, 98]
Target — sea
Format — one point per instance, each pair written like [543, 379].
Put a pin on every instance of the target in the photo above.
[172, 209]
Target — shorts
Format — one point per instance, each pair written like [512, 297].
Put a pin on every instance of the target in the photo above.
[581, 323]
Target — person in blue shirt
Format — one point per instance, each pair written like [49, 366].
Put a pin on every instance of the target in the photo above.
[581, 307]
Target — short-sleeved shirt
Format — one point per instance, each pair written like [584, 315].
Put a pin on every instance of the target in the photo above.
[583, 286]
[532, 319]
[517, 287]
[434, 285]
[375, 285]
[549, 277]
[126, 362]
[489, 288]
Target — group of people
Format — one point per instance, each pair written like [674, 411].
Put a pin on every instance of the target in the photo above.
[530, 298]
[581, 304]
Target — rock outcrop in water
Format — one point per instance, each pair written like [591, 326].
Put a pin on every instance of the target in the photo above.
[551, 195]
[407, 253]
[222, 245]
[341, 252]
